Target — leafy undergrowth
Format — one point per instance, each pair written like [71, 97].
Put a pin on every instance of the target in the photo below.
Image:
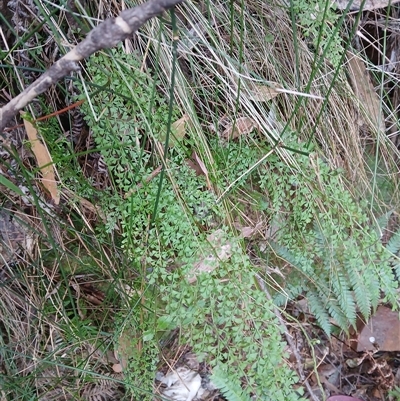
[209, 187]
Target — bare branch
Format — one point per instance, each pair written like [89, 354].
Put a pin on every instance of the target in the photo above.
[108, 34]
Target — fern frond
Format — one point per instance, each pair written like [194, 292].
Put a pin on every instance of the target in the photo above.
[393, 246]
[371, 282]
[318, 308]
[361, 292]
[280, 299]
[396, 269]
[292, 291]
[345, 298]
[338, 315]
[382, 223]
[324, 248]
[284, 253]
[228, 385]
[320, 237]
[388, 283]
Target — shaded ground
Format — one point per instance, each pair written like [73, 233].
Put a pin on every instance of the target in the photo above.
[330, 366]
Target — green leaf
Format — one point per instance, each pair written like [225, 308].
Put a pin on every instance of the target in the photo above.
[228, 385]
[8, 184]
[393, 245]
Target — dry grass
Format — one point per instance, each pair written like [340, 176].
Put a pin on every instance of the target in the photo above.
[228, 49]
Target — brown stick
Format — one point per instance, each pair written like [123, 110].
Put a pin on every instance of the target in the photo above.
[108, 34]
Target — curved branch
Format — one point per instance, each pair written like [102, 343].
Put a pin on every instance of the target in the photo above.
[108, 34]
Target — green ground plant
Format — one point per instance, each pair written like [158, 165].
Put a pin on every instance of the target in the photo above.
[325, 235]
[164, 245]
[301, 172]
[328, 238]
[320, 23]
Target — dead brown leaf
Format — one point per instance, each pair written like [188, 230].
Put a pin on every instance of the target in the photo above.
[84, 204]
[263, 93]
[370, 106]
[203, 168]
[199, 167]
[247, 231]
[44, 161]
[382, 332]
[117, 368]
[178, 131]
[179, 128]
[124, 349]
[242, 126]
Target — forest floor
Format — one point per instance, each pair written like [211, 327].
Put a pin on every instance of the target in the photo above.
[209, 211]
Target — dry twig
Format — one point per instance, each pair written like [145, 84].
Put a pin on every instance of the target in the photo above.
[108, 34]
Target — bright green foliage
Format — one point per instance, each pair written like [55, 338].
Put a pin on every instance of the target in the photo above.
[318, 19]
[174, 235]
[224, 316]
[10, 185]
[130, 112]
[337, 259]
[66, 160]
[232, 391]
[393, 245]
[393, 248]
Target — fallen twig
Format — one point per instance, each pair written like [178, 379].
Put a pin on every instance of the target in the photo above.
[106, 35]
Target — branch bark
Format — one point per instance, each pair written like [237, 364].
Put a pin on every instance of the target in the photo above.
[106, 35]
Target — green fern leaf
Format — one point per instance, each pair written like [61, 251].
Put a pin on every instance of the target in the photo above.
[320, 237]
[228, 385]
[393, 246]
[371, 282]
[301, 265]
[382, 223]
[280, 299]
[318, 308]
[361, 293]
[388, 283]
[338, 315]
[396, 268]
[283, 252]
[292, 291]
[345, 298]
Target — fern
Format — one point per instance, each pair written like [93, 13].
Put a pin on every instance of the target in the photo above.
[292, 291]
[382, 223]
[228, 385]
[317, 307]
[302, 264]
[393, 245]
[338, 315]
[346, 302]
[371, 282]
[340, 277]
[388, 281]
[284, 253]
[361, 293]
